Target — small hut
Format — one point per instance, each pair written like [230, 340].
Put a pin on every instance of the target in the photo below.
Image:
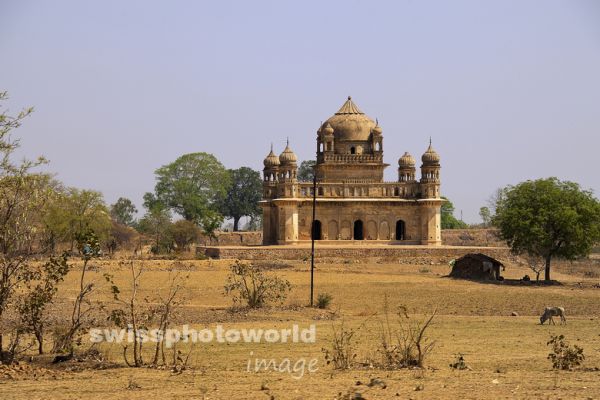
[477, 266]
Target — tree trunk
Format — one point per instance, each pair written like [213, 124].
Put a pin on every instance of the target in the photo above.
[236, 224]
[40, 340]
[547, 269]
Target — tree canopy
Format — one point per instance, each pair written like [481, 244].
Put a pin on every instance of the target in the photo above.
[306, 171]
[548, 218]
[486, 216]
[192, 186]
[449, 221]
[76, 211]
[243, 195]
[123, 211]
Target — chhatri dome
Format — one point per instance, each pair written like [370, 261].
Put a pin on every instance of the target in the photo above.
[349, 123]
[430, 156]
[288, 156]
[271, 160]
[406, 160]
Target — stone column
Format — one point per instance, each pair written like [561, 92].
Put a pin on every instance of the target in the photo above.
[431, 222]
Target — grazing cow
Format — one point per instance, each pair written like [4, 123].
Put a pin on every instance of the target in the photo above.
[550, 312]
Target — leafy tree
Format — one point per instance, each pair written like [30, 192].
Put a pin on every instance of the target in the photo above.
[306, 171]
[243, 195]
[23, 195]
[76, 211]
[485, 215]
[123, 211]
[192, 186]
[185, 233]
[157, 223]
[449, 221]
[548, 218]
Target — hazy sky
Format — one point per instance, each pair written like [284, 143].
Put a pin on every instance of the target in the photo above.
[508, 90]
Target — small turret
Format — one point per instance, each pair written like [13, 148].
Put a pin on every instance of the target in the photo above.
[288, 168]
[406, 168]
[430, 173]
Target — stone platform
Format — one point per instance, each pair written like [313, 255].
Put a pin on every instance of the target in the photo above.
[374, 252]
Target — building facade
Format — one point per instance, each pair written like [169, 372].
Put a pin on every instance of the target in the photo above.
[353, 202]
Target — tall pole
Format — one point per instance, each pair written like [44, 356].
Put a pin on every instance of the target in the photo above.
[312, 238]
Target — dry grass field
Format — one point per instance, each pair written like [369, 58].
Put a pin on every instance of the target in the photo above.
[506, 354]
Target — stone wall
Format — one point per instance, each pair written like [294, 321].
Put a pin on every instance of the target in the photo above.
[233, 239]
[373, 254]
[450, 237]
[471, 237]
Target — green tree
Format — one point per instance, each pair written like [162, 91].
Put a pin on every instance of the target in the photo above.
[23, 196]
[306, 171]
[192, 186]
[449, 221]
[548, 218]
[243, 195]
[157, 224]
[76, 211]
[485, 215]
[123, 211]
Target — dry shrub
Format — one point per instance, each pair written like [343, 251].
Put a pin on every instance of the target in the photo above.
[343, 348]
[324, 300]
[248, 284]
[404, 342]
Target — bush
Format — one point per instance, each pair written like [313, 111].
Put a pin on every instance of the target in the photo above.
[248, 284]
[404, 342]
[342, 352]
[324, 300]
[563, 355]
[185, 233]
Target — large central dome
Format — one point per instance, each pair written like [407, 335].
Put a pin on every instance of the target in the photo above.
[350, 124]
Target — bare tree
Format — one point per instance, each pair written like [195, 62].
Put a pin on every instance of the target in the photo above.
[535, 263]
[40, 293]
[89, 247]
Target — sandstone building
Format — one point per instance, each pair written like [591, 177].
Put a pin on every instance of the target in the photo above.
[353, 203]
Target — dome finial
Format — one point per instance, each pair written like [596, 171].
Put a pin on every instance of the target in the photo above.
[429, 141]
[349, 97]
[271, 146]
[287, 143]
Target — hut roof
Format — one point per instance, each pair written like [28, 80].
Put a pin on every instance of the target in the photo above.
[479, 257]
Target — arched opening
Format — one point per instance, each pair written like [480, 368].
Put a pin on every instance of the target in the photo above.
[352, 150]
[377, 146]
[332, 231]
[400, 230]
[316, 230]
[320, 191]
[358, 230]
